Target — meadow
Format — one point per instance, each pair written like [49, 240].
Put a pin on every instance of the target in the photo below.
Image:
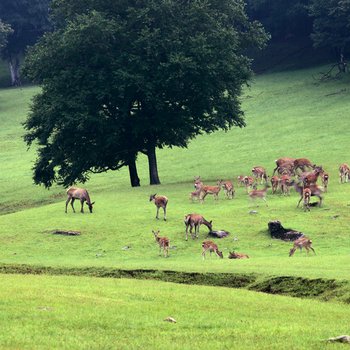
[288, 114]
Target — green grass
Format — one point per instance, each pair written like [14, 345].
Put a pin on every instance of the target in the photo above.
[288, 114]
[88, 313]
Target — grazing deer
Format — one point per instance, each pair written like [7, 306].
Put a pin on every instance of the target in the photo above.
[164, 243]
[306, 198]
[240, 180]
[248, 182]
[302, 242]
[194, 221]
[82, 194]
[288, 162]
[160, 202]
[211, 247]
[233, 255]
[254, 194]
[311, 177]
[205, 190]
[325, 179]
[285, 183]
[275, 180]
[228, 188]
[315, 191]
[285, 169]
[344, 173]
[259, 173]
[302, 164]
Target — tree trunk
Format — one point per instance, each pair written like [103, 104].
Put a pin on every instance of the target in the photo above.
[134, 178]
[14, 70]
[152, 165]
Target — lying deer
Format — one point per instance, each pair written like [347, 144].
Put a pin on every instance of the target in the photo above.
[164, 243]
[259, 173]
[211, 247]
[195, 221]
[233, 255]
[228, 188]
[81, 194]
[344, 173]
[254, 194]
[302, 242]
[160, 202]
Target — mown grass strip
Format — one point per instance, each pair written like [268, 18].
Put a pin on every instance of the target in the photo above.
[322, 289]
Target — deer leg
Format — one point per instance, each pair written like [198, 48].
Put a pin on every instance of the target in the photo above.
[312, 250]
[82, 205]
[186, 232]
[67, 202]
[203, 254]
[264, 199]
[157, 213]
[299, 201]
[164, 213]
[71, 203]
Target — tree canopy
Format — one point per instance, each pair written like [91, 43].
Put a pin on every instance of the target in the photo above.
[123, 77]
[5, 30]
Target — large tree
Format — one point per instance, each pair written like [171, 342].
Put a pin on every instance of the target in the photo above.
[29, 20]
[123, 77]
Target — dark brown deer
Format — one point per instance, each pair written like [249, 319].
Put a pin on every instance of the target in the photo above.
[303, 164]
[325, 180]
[285, 183]
[275, 180]
[306, 198]
[164, 243]
[259, 172]
[82, 194]
[261, 194]
[211, 247]
[285, 161]
[195, 221]
[302, 242]
[228, 188]
[311, 177]
[344, 173]
[233, 255]
[160, 202]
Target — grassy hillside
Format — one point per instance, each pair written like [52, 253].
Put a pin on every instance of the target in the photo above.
[88, 313]
[288, 114]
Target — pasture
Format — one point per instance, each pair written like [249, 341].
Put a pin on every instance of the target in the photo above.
[288, 114]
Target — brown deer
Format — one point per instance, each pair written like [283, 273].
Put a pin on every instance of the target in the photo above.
[164, 243]
[248, 182]
[306, 198]
[285, 183]
[160, 202]
[233, 255]
[325, 179]
[302, 164]
[240, 180]
[311, 177]
[315, 191]
[302, 242]
[259, 173]
[195, 194]
[211, 247]
[205, 190]
[344, 173]
[228, 188]
[255, 194]
[82, 194]
[195, 221]
[288, 162]
[275, 180]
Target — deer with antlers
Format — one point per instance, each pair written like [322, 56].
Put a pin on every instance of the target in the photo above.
[164, 243]
[259, 172]
[228, 188]
[302, 242]
[344, 173]
[195, 221]
[211, 247]
[160, 202]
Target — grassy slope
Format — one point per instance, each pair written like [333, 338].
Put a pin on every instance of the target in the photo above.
[288, 114]
[89, 313]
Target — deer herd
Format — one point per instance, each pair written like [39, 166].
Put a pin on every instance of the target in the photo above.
[300, 174]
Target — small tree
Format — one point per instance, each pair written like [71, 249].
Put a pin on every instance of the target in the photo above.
[131, 76]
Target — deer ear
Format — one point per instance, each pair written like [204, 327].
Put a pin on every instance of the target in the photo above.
[211, 221]
[92, 203]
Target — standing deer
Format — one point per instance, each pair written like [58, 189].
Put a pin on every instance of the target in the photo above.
[302, 242]
[205, 190]
[160, 202]
[315, 191]
[325, 179]
[195, 194]
[286, 162]
[311, 177]
[254, 194]
[82, 194]
[306, 198]
[211, 247]
[228, 188]
[275, 180]
[164, 243]
[233, 255]
[302, 164]
[194, 221]
[248, 182]
[285, 183]
[240, 180]
[344, 173]
[259, 173]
